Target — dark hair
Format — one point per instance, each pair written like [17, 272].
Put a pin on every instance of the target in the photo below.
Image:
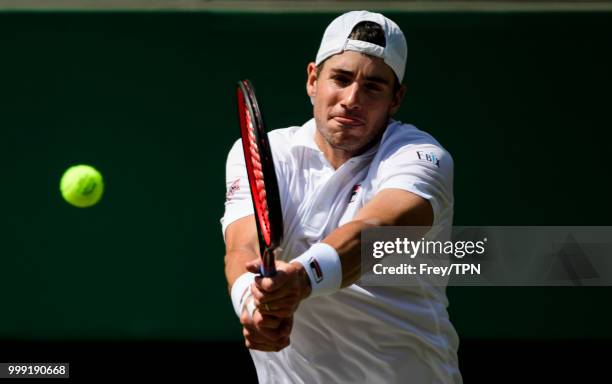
[370, 32]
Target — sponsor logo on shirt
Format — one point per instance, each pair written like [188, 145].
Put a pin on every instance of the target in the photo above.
[316, 269]
[233, 188]
[354, 191]
[429, 157]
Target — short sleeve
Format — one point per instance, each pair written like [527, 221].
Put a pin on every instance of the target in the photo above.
[425, 170]
[238, 203]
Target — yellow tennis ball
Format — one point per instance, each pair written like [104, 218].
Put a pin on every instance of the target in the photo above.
[82, 185]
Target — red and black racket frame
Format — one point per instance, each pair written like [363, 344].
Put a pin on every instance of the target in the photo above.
[255, 144]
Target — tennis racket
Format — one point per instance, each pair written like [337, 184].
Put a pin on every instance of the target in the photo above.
[262, 176]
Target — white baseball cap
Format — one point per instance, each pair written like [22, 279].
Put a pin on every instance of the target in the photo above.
[336, 40]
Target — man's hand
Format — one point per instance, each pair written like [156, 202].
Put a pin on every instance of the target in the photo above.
[281, 294]
[265, 333]
[261, 331]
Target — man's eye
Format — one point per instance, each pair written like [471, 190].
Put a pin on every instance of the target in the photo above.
[341, 80]
[374, 87]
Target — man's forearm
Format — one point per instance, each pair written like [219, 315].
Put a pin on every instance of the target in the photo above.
[242, 246]
[346, 240]
[235, 261]
[389, 207]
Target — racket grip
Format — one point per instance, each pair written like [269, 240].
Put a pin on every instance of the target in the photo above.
[267, 268]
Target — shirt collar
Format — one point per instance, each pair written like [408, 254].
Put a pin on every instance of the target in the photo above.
[304, 137]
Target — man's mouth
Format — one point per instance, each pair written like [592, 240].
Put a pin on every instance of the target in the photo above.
[349, 120]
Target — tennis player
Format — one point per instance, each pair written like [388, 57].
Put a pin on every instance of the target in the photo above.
[349, 168]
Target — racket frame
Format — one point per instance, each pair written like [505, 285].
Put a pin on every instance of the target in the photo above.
[268, 215]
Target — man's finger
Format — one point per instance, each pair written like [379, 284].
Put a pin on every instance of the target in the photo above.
[263, 321]
[254, 336]
[268, 347]
[266, 297]
[277, 308]
[262, 296]
[286, 326]
[263, 335]
[271, 284]
[253, 266]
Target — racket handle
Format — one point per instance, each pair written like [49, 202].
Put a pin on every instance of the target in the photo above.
[267, 268]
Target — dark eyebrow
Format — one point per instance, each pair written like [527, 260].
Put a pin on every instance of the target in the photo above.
[374, 79]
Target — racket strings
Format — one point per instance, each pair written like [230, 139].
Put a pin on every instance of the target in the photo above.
[259, 179]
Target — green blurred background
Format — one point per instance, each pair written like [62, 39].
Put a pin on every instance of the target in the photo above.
[521, 100]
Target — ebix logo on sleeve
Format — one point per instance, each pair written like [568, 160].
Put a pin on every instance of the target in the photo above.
[429, 157]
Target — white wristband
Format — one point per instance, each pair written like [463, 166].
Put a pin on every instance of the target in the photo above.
[324, 268]
[241, 291]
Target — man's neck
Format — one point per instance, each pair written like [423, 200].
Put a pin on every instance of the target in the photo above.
[335, 156]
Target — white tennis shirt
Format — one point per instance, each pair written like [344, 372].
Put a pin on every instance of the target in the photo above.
[360, 334]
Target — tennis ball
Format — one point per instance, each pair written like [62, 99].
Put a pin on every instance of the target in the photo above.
[82, 186]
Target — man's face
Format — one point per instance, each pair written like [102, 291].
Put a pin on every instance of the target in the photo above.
[353, 99]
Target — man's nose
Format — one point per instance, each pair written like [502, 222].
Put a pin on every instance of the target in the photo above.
[352, 96]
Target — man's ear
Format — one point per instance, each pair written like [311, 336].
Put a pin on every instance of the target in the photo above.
[397, 100]
[311, 81]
